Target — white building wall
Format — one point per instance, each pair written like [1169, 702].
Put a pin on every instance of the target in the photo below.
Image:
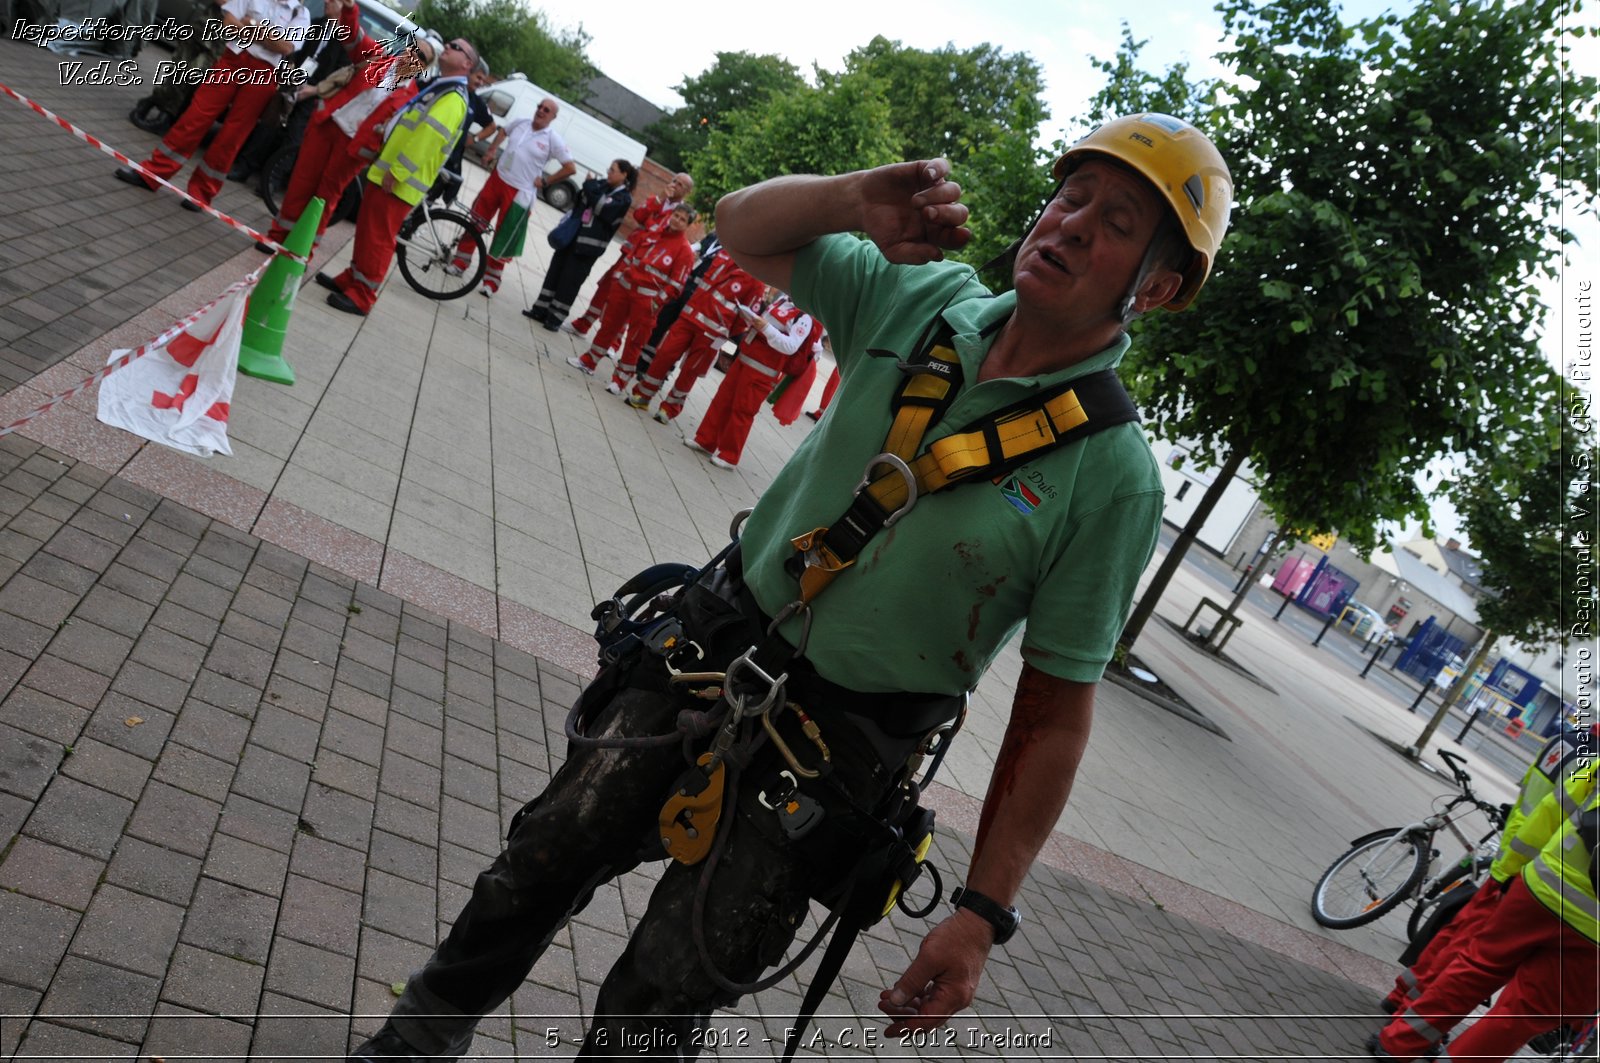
[1186, 485]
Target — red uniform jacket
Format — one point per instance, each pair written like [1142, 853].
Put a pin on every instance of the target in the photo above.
[659, 271]
[720, 291]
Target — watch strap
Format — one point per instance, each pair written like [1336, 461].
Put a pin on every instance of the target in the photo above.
[1003, 918]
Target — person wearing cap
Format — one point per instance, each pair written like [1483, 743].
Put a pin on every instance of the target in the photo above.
[888, 649]
[516, 179]
[416, 142]
[260, 33]
[345, 132]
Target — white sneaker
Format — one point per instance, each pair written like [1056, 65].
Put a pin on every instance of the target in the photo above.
[719, 463]
[660, 416]
[453, 270]
[613, 387]
[577, 363]
[486, 291]
[689, 442]
[566, 326]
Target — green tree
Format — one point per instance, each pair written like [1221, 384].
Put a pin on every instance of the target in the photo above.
[1522, 515]
[842, 124]
[953, 101]
[735, 82]
[1398, 186]
[513, 38]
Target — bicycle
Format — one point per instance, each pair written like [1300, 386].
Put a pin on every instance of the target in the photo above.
[427, 250]
[1384, 869]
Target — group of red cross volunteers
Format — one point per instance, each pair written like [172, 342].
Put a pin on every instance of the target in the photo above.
[1136, 223]
[660, 300]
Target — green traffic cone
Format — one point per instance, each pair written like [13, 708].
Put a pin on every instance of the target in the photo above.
[266, 319]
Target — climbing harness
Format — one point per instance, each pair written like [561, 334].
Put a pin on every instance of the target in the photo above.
[652, 614]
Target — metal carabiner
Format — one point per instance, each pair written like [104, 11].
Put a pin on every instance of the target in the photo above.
[794, 608]
[895, 462]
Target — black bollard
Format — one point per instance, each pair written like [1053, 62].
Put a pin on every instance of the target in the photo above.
[1472, 718]
[1324, 630]
[1374, 660]
[1281, 608]
[1420, 695]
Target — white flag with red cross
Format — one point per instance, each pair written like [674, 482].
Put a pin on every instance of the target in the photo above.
[177, 393]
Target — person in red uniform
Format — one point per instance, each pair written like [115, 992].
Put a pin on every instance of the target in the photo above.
[416, 143]
[711, 316]
[827, 395]
[261, 33]
[780, 344]
[651, 216]
[346, 132]
[654, 279]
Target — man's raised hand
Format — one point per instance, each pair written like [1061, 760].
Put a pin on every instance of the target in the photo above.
[912, 211]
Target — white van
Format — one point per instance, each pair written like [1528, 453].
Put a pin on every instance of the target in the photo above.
[593, 143]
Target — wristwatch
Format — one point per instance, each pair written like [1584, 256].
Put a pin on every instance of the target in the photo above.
[1005, 920]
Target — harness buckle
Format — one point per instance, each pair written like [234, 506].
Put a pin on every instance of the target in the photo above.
[897, 464]
[737, 686]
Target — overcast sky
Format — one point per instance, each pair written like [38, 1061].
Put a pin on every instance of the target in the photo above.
[650, 47]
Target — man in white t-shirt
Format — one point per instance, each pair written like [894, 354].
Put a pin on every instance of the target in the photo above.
[523, 149]
[259, 34]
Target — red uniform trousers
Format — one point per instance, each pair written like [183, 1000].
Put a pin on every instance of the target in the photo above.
[603, 294]
[224, 89]
[323, 168]
[1550, 972]
[726, 425]
[490, 208]
[828, 389]
[1442, 950]
[377, 226]
[696, 347]
[631, 313]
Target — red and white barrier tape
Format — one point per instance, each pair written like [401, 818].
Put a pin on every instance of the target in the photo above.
[133, 355]
[95, 142]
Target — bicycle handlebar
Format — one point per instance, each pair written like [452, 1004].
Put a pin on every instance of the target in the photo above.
[1457, 765]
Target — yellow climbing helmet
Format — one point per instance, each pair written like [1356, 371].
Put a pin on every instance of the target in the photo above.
[1184, 166]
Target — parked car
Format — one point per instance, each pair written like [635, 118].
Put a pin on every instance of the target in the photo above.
[593, 143]
[1364, 621]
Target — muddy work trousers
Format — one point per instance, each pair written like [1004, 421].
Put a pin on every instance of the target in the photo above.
[596, 820]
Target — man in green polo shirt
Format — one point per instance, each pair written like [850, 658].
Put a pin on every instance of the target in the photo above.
[876, 652]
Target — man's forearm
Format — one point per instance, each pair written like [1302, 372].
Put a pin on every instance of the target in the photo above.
[1033, 775]
[786, 213]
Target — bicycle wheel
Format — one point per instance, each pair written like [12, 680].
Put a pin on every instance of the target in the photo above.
[274, 176]
[427, 247]
[1380, 871]
[1453, 887]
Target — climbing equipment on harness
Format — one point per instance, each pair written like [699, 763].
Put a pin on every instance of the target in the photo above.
[889, 844]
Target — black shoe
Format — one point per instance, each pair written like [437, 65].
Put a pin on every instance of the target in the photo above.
[815, 415]
[548, 327]
[265, 248]
[341, 301]
[242, 174]
[535, 314]
[385, 1045]
[328, 282]
[191, 206]
[129, 176]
